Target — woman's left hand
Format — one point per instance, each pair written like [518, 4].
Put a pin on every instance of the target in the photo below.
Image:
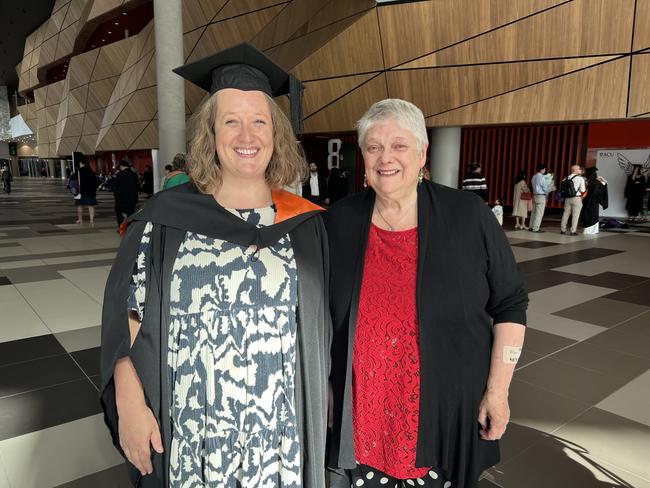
[493, 414]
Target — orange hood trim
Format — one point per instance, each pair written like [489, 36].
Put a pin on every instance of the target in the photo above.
[289, 205]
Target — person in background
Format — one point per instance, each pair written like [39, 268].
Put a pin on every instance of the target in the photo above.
[337, 184]
[168, 169]
[497, 210]
[125, 192]
[147, 181]
[315, 188]
[87, 181]
[178, 175]
[634, 191]
[475, 182]
[521, 201]
[573, 205]
[5, 176]
[541, 187]
[428, 319]
[597, 196]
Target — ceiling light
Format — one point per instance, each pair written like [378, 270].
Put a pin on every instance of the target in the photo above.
[103, 40]
[109, 32]
[123, 13]
[117, 23]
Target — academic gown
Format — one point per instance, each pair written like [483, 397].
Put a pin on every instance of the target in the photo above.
[173, 213]
[467, 278]
[597, 195]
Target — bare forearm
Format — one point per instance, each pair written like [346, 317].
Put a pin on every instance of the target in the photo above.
[508, 340]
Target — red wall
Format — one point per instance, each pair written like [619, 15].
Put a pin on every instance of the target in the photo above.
[627, 134]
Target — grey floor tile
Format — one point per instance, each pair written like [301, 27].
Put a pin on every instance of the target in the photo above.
[527, 357]
[29, 349]
[47, 407]
[602, 311]
[531, 406]
[28, 275]
[565, 259]
[632, 401]
[604, 361]
[115, 477]
[625, 340]
[79, 339]
[548, 278]
[584, 385]
[517, 439]
[638, 325]
[36, 374]
[544, 343]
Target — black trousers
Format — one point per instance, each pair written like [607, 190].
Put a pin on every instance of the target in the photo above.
[123, 210]
[367, 477]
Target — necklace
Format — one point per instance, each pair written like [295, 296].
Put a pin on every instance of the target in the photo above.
[390, 227]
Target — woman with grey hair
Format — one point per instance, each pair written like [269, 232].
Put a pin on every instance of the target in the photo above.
[419, 275]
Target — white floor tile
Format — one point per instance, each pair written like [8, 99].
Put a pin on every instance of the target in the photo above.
[77, 340]
[91, 280]
[17, 319]
[42, 245]
[59, 454]
[17, 251]
[26, 263]
[61, 305]
[563, 296]
[632, 401]
[571, 329]
[79, 258]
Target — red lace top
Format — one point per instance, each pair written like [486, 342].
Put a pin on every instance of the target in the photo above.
[386, 360]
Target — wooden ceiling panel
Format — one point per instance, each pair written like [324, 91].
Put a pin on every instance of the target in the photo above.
[112, 112]
[67, 145]
[317, 94]
[297, 50]
[54, 93]
[109, 139]
[66, 41]
[81, 68]
[74, 12]
[355, 50]
[287, 22]
[436, 90]
[193, 96]
[139, 47]
[344, 113]
[93, 121]
[230, 32]
[100, 7]
[193, 15]
[87, 144]
[334, 11]
[130, 132]
[212, 9]
[111, 59]
[189, 41]
[148, 138]
[99, 93]
[577, 96]
[48, 51]
[146, 71]
[141, 106]
[414, 29]
[51, 114]
[578, 28]
[642, 20]
[73, 126]
[236, 8]
[639, 93]
[77, 100]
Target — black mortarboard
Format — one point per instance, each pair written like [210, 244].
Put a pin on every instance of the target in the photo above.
[244, 67]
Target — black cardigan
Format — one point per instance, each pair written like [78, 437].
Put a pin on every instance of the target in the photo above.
[466, 278]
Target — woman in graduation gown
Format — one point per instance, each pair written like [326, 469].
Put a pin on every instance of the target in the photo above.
[420, 273]
[597, 196]
[215, 328]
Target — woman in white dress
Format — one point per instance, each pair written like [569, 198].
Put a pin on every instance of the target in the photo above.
[520, 206]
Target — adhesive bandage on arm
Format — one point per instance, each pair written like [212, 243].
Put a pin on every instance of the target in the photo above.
[511, 354]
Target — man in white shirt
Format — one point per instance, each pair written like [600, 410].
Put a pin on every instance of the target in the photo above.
[315, 188]
[540, 186]
[573, 205]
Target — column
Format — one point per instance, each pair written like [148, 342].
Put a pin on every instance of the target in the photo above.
[168, 25]
[62, 161]
[445, 155]
[51, 167]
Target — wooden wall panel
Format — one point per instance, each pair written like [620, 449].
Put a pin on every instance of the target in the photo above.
[579, 28]
[641, 31]
[337, 58]
[639, 93]
[317, 94]
[439, 89]
[343, 114]
[246, 7]
[148, 138]
[414, 29]
[579, 96]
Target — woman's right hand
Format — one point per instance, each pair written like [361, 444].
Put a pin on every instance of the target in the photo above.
[139, 432]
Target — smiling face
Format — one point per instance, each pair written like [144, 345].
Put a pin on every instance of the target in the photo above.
[392, 159]
[243, 133]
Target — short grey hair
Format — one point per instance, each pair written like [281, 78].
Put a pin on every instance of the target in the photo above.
[406, 114]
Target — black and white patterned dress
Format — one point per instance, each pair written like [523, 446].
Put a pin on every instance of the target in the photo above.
[231, 358]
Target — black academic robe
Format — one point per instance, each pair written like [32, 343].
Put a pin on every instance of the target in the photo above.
[597, 195]
[467, 278]
[173, 213]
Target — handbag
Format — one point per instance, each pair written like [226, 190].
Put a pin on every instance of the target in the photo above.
[526, 195]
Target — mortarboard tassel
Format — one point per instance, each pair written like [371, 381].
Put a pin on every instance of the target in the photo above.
[295, 100]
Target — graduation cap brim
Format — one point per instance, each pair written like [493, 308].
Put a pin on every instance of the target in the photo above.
[243, 67]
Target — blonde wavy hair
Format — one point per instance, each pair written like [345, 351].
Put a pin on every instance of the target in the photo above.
[286, 168]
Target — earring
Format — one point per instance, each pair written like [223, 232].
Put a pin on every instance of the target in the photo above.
[420, 176]
[365, 181]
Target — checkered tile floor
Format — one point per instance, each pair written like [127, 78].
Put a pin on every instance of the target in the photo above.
[580, 399]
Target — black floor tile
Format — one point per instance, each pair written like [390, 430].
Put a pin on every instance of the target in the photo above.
[88, 359]
[48, 407]
[543, 264]
[548, 278]
[115, 477]
[639, 294]
[544, 343]
[39, 373]
[29, 349]
[616, 281]
[535, 244]
[96, 381]
[9, 244]
[4, 281]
